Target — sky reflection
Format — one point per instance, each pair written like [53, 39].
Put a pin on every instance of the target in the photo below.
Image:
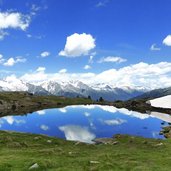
[86, 122]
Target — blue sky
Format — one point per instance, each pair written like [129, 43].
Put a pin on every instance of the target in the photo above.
[121, 33]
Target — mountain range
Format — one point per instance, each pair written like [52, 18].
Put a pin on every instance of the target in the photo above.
[73, 89]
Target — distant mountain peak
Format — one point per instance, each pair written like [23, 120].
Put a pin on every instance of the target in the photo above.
[72, 88]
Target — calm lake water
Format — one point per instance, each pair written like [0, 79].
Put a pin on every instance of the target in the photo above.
[86, 122]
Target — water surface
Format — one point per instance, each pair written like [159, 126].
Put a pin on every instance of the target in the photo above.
[86, 122]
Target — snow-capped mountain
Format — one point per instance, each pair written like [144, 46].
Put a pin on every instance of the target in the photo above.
[14, 84]
[72, 89]
[78, 88]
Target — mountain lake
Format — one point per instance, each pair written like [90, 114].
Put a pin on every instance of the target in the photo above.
[87, 122]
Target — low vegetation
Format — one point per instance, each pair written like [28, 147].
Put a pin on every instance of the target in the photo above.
[23, 102]
[19, 151]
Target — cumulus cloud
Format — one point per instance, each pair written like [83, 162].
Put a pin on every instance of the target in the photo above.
[36, 76]
[12, 61]
[77, 133]
[40, 69]
[154, 48]
[62, 71]
[141, 74]
[167, 41]
[112, 59]
[45, 54]
[13, 20]
[78, 45]
[87, 67]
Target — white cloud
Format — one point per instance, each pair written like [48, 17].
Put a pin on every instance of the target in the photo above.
[3, 34]
[87, 67]
[78, 45]
[1, 59]
[90, 61]
[34, 36]
[40, 69]
[36, 76]
[112, 59]
[154, 48]
[141, 74]
[12, 61]
[13, 20]
[167, 41]
[62, 71]
[45, 54]
[34, 9]
[114, 122]
[29, 35]
[102, 3]
[44, 127]
[77, 133]
[9, 62]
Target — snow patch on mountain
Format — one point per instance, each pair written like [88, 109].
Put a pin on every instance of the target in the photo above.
[162, 102]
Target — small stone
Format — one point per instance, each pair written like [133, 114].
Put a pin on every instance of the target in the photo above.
[115, 143]
[36, 138]
[160, 144]
[70, 153]
[77, 143]
[34, 166]
[49, 141]
[94, 162]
